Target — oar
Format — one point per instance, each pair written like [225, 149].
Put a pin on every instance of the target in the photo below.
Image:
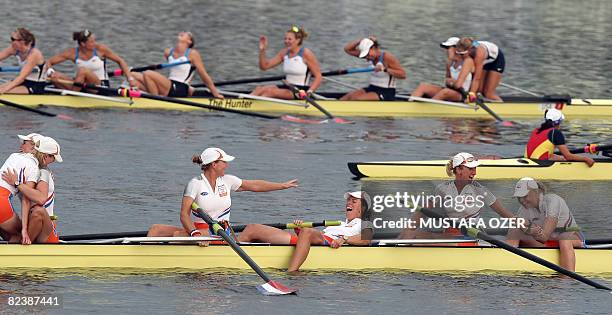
[314, 103]
[280, 77]
[119, 72]
[439, 102]
[516, 88]
[10, 69]
[90, 95]
[270, 287]
[287, 226]
[484, 106]
[34, 110]
[236, 228]
[475, 233]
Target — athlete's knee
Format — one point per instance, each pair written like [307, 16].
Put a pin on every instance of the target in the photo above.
[37, 214]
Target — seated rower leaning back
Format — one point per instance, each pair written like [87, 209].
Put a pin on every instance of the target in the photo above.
[31, 79]
[387, 69]
[211, 190]
[348, 232]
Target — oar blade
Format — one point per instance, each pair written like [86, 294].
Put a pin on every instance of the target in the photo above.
[275, 288]
[303, 120]
[343, 121]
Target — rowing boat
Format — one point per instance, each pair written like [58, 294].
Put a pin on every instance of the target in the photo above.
[414, 258]
[488, 169]
[513, 107]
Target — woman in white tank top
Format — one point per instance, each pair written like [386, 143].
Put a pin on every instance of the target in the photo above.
[387, 69]
[459, 76]
[177, 84]
[90, 59]
[30, 79]
[489, 62]
[299, 65]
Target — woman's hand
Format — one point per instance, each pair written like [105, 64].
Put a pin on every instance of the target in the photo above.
[290, 184]
[25, 238]
[263, 43]
[10, 176]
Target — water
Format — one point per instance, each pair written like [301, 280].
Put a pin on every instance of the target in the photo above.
[125, 170]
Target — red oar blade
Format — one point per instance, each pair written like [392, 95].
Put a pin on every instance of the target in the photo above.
[275, 288]
[302, 120]
[64, 117]
[342, 121]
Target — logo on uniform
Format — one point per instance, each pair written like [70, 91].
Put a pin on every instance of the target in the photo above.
[204, 193]
[222, 190]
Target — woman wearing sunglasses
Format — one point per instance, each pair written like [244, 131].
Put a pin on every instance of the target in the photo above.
[489, 65]
[459, 75]
[460, 198]
[90, 59]
[177, 84]
[299, 65]
[30, 79]
[387, 69]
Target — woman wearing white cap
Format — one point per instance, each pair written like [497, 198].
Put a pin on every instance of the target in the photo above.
[547, 137]
[387, 69]
[549, 222]
[463, 188]
[490, 64]
[211, 190]
[348, 232]
[38, 225]
[299, 65]
[459, 71]
[28, 142]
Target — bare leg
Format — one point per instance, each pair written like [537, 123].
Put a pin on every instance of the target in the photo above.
[273, 91]
[156, 83]
[306, 238]
[447, 94]
[139, 79]
[426, 89]
[352, 95]
[56, 76]
[163, 230]
[12, 227]
[40, 226]
[16, 90]
[491, 81]
[265, 234]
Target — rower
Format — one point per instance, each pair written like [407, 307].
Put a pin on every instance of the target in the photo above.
[450, 46]
[489, 65]
[30, 79]
[28, 175]
[545, 214]
[211, 190]
[463, 167]
[28, 142]
[547, 137]
[40, 225]
[387, 69]
[348, 232]
[299, 65]
[90, 59]
[459, 72]
[177, 84]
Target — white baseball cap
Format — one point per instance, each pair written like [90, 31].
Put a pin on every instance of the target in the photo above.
[215, 154]
[450, 42]
[555, 115]
[30, 137]
[466, 159]
[364, 47]
[521, 189]
[359, 195]
[48, 145]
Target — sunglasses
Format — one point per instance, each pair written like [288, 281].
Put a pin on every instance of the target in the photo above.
[13, 39]
[295, 29]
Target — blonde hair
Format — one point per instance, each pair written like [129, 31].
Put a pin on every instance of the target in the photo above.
[39, 157]
[464, 43]
[300, 34]
[450, 171]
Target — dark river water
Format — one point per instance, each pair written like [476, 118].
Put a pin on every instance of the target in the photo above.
[125, 170]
